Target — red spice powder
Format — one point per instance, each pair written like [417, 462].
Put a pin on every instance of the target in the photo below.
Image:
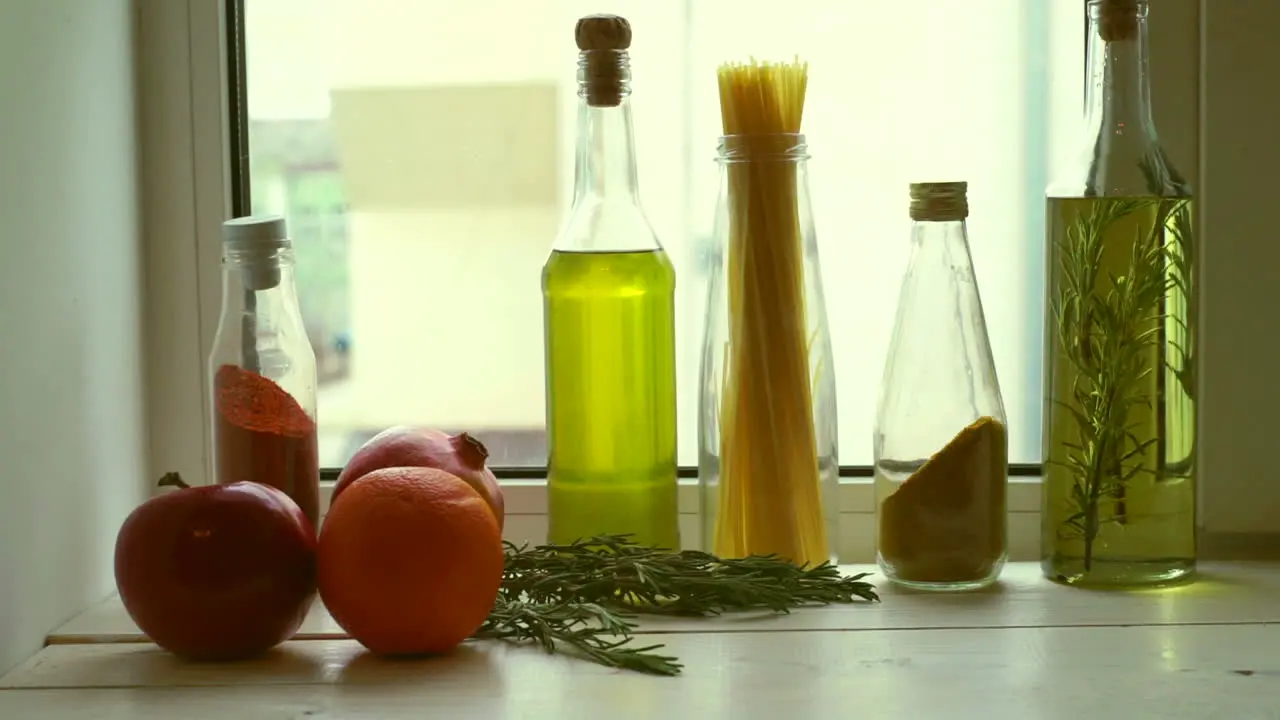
[263, 435]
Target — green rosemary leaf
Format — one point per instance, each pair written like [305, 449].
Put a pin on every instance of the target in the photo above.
[1130, 474]
[1079, 416]
[1137, 450]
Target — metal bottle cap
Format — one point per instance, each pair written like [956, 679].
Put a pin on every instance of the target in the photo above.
[939, 201]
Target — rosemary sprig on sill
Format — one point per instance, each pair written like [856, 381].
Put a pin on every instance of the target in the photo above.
[612, 570]
[587, 630]
[583, 597]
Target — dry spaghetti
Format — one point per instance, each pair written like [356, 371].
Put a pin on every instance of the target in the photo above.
[769, 496]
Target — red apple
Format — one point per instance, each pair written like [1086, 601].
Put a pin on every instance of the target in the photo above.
[404, 446]
[219, 572]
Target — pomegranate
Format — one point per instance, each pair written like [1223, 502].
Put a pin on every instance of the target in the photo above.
[404, 446]
[221, 572]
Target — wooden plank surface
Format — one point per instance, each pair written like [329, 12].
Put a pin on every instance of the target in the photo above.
[1235, 593]
[1202, 671]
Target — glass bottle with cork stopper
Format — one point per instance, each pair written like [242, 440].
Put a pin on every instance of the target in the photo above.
[1120, 334]
[609, 314]
[262, 368]
[940, 445]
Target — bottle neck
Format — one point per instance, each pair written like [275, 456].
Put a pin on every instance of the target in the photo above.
[939, 247]
[1118, 94]
[259, 305]
[260, 271]
[606, 215]
[605, 164]
[940, 238]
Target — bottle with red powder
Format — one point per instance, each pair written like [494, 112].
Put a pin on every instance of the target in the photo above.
[262, 368]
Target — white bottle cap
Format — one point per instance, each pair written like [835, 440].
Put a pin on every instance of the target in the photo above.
[256, 241]
[254, 231]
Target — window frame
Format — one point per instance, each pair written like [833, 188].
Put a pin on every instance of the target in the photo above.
[194, 136]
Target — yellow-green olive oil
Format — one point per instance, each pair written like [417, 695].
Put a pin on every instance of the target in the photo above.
[610, 393]
[1120, 385]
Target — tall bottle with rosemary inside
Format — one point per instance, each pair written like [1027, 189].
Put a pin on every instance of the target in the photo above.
[609, 313]
[1120, 335]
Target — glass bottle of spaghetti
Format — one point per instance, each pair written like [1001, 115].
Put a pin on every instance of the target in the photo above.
[609, 312]
[768, 468]
[940, 447]
[262, 368]
[1121, 322]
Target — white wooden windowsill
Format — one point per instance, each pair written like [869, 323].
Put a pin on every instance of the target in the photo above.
[1024, 649]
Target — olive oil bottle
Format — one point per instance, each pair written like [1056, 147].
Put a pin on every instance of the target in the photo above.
[1120, 446]
[609, 314]
[1119, 503]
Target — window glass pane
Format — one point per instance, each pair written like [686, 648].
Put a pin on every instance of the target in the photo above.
[423, 154]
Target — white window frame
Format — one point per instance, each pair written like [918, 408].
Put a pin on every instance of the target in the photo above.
[1204, 109]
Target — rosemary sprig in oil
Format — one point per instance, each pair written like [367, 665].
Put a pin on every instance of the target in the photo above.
[1107, 325]
[584, 597]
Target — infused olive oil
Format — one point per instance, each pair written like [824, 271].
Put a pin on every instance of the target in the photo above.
[1121, 291]
[609, 315]
[611, 410]
[1120, 430]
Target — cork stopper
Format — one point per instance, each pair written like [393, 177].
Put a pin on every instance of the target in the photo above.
[939, 201]
[602, 32]
[1118, 19]
[605, 67]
